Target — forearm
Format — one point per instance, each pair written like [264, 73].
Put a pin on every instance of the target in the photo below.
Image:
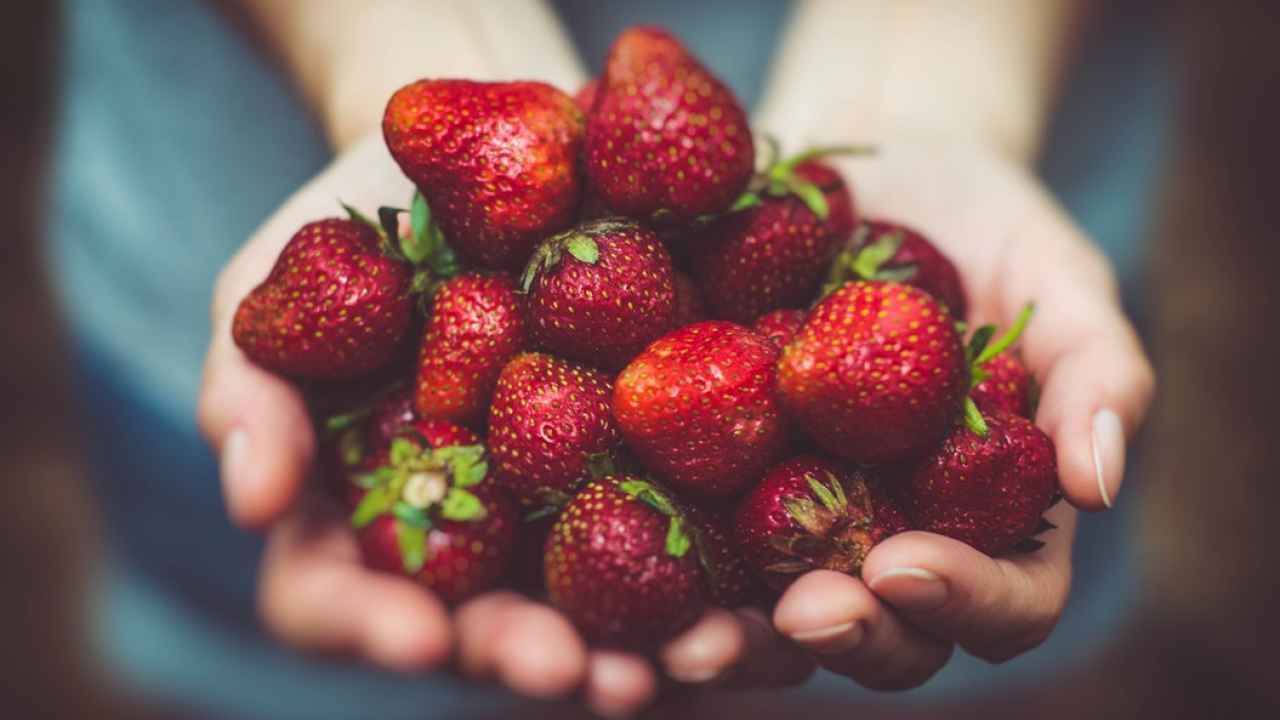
[348, 57]
[866, 70]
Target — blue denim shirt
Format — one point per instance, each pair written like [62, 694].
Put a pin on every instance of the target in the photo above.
[176, 139]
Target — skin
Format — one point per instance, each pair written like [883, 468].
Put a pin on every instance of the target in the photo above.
[978, 195]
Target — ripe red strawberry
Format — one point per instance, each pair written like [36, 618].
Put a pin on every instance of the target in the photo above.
[620, 563]
[780, 326]
[990, 490]
[888, 251]
[431, 514]
[689, 306]
[497, 162]
[600, 293]
[335, 305]
[585, 98]
[548, 417]
[876, 374]
[997, 380]
[358, 441]
[665, 138]
[808, 513]
[1007, 387]
[697, 407]
[477, 324]
[776, 254]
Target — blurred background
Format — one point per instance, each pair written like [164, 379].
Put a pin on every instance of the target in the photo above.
[1175, 181]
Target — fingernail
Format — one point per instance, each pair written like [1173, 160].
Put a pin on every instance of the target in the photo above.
[831, 640]
[692, 674]
[235, 450]
[1108, 454]
[911, 588]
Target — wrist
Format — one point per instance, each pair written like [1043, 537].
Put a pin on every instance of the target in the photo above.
[389, 45]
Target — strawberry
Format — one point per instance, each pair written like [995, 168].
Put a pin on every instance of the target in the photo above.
[876, 374]
[432, 515]
[620, 563]
[336, 304]
[776, 253]
[665, 138]
[477, 324]
[997, 380]
[883, 250]
[497, 162]
[585, 98]
[989, 489]
[600, 293]
[548, 417]
[1008, 386]
[807, 513]
[780, 326]
[697, 407]
[359, 440]
[689, 306]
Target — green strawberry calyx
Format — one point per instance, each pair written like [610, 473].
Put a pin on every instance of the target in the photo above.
[779, 178]
[678, 539]
[868, 258]
[424, 246]
[833, 534]
[980, 350]
[420, 486]
[578, 243]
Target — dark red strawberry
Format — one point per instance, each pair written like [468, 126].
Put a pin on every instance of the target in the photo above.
[998, 381]
[497, 162]
[477, 324]
[548, 417]
[807, 513]
[775, 254]
[876, 374]
[600, 293]
[621, 564]
[888, 251]
[585, 98]
[1007, 386]
[665, 139]
[689, 306]
[335, 305]
[730, 582]
[780, 326]
[432, 515]
[697, 407]
[990, 490]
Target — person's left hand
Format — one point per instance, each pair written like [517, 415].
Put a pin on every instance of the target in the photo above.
[920, 593]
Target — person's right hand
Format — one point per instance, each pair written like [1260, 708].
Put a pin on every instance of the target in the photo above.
[315, 594]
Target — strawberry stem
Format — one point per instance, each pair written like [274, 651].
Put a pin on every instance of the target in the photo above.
[973, 418]
[1009, 337]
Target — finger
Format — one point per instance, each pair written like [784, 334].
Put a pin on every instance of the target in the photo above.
[852, 633]
[619, 684]
[527, 646]
[256, 421]
[313, 594]
[701, 653]
[994, 608]
[258, 424]
[1096, 381]
[771, 659]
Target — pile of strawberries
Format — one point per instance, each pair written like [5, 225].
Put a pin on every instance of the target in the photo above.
[651, 374]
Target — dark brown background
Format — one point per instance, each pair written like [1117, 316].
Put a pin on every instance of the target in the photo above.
[1202, 646]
